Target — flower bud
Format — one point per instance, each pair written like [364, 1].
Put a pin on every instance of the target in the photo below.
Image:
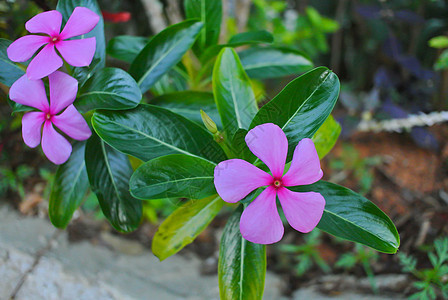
[208, 122]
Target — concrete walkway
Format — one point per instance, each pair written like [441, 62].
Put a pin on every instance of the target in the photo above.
[37, 262]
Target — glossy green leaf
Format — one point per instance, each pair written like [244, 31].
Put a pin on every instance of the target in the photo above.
[109, 172]
[209, 12]
[171, 176]
[242, 264]
[326, 136]
[302, 106]
[163, 52]
[16, 107]
[126, 47]
[109, 88]
[175, 80]
[148, 131]
[240, 148]
[251, 37]
[233, 92]
[9, 71]
[272, 62]
[240, 39]
[66, 7]
[350, 216]
[189, 104]
[184, 225]
[69, 187]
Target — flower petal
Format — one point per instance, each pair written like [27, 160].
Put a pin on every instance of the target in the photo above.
[45, 63]
[23, 48]
[54, 145]
[63, 89]
[31, 128]
[73, 124]
[302, 210]
[235, 178]
[29, 93]
[82, 21]
[48, 22]
[268, 142]
[78, 53]
[305, 165]
[260, 222]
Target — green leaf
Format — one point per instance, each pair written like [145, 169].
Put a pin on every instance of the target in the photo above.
[242, 264]
[175, 80]
[326, 136]
[184, 225]
[442, 61]
[9, 71]
[16, 107]
[66, 7]
[109, 88]
[272, 62]
[350, 216]
[109, 172]
[439, 42]
[69, 187]
[302, 106]
[148, 131]
[209, 12]
[163, 52]
[251, 37]
[240, 148]
[171, 176]
[189, 104]
[240, 39]
[126, 47]
[233, 92]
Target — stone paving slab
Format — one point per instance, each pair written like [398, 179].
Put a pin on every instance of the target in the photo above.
[37, 262]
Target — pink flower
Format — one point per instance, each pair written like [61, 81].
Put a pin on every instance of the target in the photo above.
[235, 178]
[63, 89]
[78, 53]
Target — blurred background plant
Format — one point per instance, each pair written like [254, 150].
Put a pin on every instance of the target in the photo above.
[392, 59]
[430, 282]
[307, 254]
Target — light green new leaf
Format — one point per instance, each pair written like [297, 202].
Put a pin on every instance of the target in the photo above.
[326, 136]
[184, 225]
[69, 187]
[350, 216]
[233, 92]
[439, 42]
[241, 265]
[170, 176]
[163, 52]
[109, 88]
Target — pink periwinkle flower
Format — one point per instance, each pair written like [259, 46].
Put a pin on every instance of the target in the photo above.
[78, 53]
[235, 178]
[63, 89]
